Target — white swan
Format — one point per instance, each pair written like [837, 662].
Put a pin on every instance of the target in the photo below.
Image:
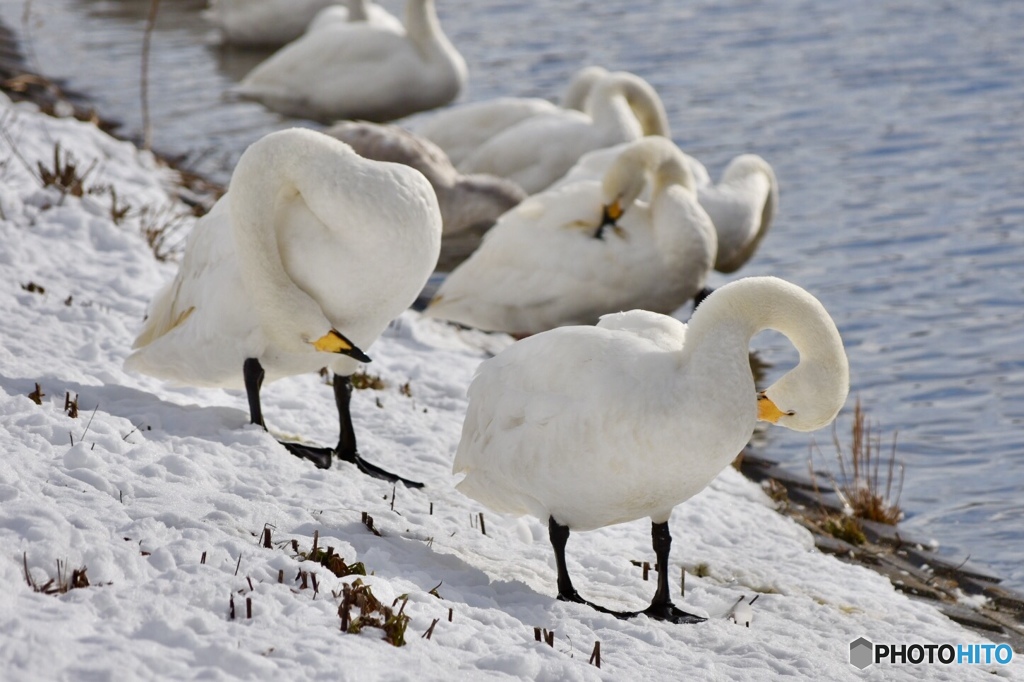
[359, 71]
[273, 23]
[355, 11]
[570, 255]
[305, 260]
[541, 149]
[460, 129]
[469, 203]
[742, 204]
[587, 427]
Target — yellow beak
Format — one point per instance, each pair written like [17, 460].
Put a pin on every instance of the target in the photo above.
[767, 411]
[335, 342]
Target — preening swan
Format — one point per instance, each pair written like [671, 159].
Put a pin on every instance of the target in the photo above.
[272, 23]
[357, 11]
[469, 203]
[303, 263]
[572, 254]
[741, 205]
[460, 129]
[359, 71]
[587, 427]
[539, 150]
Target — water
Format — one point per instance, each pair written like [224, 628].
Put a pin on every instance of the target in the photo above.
[894, 129]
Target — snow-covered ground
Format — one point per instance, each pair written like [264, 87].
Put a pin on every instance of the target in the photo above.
[149, 479]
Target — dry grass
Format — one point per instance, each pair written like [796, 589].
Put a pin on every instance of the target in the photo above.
[869, 483]
[64, 582]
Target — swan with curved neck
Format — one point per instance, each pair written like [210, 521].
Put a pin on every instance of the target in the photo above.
[586, 427]
[460, 129]
[469, 204]
[538, 151]
[570, 255]
[359, 71]
[742, 206]
[309, 255]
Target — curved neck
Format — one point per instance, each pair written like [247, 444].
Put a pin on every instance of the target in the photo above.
[422, 26]
[272, 171]
[357, 10]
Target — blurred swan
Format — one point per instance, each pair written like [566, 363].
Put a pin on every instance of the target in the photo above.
[742, 204]
[586, 427]
[273, 23]
[469, 203]
[355, 11]
[460, 129]
[303, 263]
[572, 254]
[541, 149]
[360, 71]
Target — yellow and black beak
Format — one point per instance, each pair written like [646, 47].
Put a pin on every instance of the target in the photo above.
[768, 411]
[609, 214]
[336, 342]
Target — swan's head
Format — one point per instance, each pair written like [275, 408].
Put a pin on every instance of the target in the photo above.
[810, 395]
[336, 342]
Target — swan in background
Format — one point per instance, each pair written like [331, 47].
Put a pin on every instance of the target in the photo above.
[570, 255]
[359, 71]
[742, 204]
[469, 203]
[586, 427]
[300, 265]
[460, 129]
[541, 149]
[357, 10]
[273, 23]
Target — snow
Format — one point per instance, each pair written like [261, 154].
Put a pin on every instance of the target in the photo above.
[149, 479]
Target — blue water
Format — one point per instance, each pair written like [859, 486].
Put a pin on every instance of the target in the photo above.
[895, 130]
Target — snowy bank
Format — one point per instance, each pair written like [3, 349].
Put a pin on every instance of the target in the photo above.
[163, 495]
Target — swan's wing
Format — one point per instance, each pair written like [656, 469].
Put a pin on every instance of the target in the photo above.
[336, 50]
[392, 143]
[460, 129]
[540, 266]
[536, 152]
[665, 332]
[741, 209]
[538, 418]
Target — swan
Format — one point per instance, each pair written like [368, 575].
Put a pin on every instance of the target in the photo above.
[570, 255]
[469, 203]
[303, 262]
[541, 149]
[460, 129]
[359, 71]
[354, 11]
[273, 23]
[586, 427]
[742, 204]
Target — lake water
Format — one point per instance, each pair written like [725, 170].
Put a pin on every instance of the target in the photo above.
[896, 133]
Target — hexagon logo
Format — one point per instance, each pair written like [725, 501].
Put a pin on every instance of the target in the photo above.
[862, 653]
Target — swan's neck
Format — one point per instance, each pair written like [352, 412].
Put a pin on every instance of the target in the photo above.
[357, 10]
[422, 26]
[646, 106]
[271, 173]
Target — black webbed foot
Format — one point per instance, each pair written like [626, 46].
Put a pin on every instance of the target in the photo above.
[374, 470]
[321, 457]
[669, 612]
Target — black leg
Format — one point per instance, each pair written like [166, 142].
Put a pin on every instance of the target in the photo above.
[347, 450]
[559, 536]
[252, 372]
[661, 607]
